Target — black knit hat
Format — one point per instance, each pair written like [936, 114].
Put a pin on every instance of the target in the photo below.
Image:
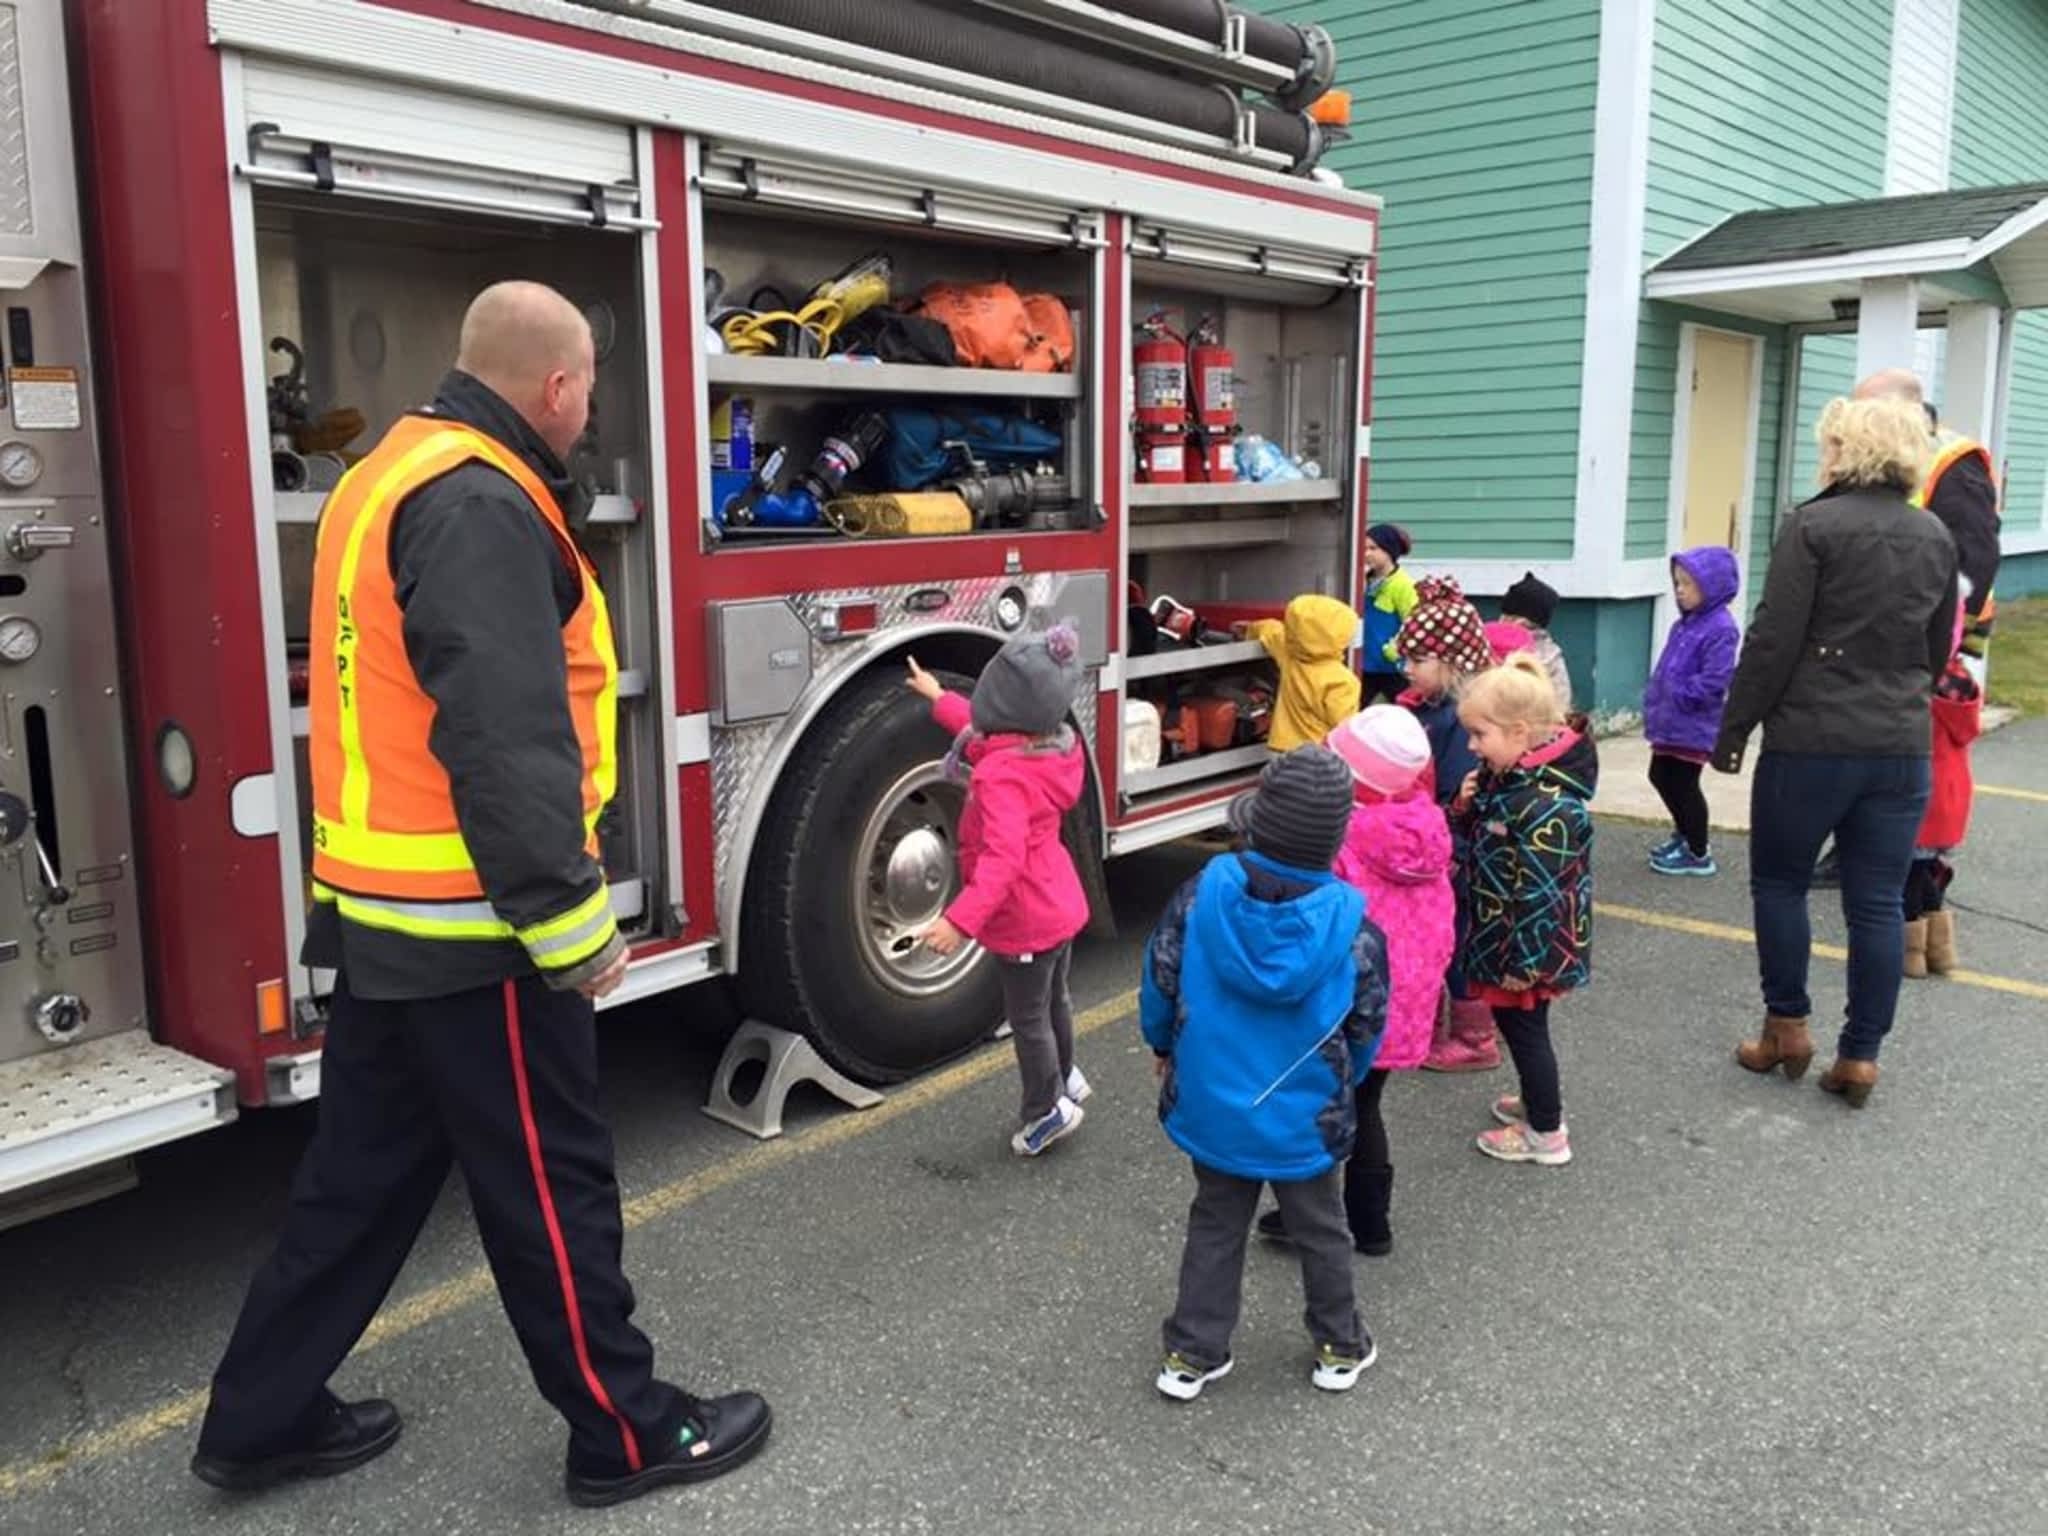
[1301, 810]
[1531, 598]
[1392, 538]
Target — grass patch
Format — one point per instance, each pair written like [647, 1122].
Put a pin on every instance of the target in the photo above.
[2019, 656]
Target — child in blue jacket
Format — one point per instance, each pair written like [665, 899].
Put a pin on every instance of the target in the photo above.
[1682, 706]
[1264, 995]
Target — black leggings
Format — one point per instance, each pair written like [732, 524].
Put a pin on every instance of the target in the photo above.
[1527, 1032]
[1677, 783]
[1370, 1149]
[1927, 886]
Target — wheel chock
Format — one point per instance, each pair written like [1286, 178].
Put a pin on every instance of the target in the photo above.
[787, 1060]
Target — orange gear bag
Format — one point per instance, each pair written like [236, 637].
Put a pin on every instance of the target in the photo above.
[994, 326]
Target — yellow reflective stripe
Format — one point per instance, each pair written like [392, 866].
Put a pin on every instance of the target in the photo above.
[400, 853]
[355, 770]
[426, 919]
[574, 936]
[606, 778]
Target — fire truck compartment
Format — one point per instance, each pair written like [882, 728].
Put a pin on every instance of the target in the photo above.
[772, 259]
[370, 300]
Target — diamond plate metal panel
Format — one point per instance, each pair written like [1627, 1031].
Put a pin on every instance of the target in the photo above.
[17, 211]
[743, 756]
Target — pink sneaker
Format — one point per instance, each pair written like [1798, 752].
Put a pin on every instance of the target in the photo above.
[1524, 1144]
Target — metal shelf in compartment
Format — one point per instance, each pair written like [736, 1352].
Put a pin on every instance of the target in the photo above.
[1193, 770]
[823, 375]
[1234, 493]
[1199, 658]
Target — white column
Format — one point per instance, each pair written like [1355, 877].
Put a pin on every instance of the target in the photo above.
[1887, 321]
[1968, 397]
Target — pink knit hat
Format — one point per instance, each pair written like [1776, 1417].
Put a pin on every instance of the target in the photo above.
[1506, 637]
[1385, 748]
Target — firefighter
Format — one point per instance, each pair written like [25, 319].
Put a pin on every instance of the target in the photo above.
[463, 747]
[1961, 489]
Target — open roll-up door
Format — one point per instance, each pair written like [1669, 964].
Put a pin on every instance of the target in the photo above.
[742, 176]
[1248, 257]
[354, 136]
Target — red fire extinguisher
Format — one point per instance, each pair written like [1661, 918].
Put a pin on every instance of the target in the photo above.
[1212, 369]
[1159, 365]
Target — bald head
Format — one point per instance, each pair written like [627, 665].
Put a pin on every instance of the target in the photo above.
[533, 347]
[1892, 384]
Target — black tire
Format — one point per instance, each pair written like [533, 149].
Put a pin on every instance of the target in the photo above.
[805, 963]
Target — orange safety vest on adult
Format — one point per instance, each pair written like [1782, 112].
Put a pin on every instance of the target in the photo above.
[1961, 488]
[464, 678]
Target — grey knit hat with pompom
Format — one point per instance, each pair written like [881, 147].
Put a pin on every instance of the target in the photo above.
[1029, 687]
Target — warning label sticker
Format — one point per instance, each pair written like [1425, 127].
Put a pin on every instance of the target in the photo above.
[46, 399]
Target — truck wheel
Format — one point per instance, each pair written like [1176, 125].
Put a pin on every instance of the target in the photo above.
[857, 857]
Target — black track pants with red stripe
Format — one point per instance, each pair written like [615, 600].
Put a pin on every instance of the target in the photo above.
[503, 1083]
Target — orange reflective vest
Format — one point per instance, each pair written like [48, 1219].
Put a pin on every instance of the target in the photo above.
[1952, 452]
[387, 846]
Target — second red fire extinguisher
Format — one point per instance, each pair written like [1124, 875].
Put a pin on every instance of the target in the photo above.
[1212, 370]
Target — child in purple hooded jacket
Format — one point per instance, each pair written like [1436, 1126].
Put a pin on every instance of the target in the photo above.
[1682, 706]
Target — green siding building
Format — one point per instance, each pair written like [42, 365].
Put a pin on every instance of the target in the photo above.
[1539, 406]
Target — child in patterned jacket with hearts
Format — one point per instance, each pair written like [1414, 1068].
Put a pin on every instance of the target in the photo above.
[1529, 863]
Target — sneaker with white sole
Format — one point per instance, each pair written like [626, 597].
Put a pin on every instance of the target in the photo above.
[1078, 1088]
[1523, 1143]
[1337, 1371]
[1682, 861]
[1182, 1380]
[1034, 1138]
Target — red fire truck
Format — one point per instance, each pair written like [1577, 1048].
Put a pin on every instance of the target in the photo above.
[236, 241]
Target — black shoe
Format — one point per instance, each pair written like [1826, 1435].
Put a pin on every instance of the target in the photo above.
[356, 1433]
[1273, 1228]
[721, 1434]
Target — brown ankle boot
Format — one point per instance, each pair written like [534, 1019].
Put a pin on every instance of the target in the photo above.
[1784, 1043]
[1941, 943]
[1853, 1080]
[1916, 948]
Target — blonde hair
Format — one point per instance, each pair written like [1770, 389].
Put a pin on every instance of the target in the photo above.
[1517, 692]
[1874, 442]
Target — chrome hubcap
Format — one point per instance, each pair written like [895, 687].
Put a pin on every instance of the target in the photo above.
[907, 864]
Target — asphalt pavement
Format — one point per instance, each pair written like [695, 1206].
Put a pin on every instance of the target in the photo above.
[1743, 1308]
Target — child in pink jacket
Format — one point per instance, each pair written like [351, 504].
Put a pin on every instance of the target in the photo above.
[1021, 896]
[1398, 853]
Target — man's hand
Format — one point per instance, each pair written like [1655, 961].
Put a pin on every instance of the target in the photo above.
[942, 938]
[606, 981]
[926, 687]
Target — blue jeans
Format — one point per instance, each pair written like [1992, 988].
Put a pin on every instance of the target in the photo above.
[1873, 806]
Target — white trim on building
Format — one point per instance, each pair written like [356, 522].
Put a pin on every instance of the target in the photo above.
[1614, 287]
[1920, 109]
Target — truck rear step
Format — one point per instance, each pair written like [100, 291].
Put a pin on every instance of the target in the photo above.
[92, 1106]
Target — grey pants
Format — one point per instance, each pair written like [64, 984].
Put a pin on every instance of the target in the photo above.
[1212, 1264]
[1041, 1025]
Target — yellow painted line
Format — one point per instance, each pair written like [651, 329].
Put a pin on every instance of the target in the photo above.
[473, 1285]
[1701, 928]
[2013, 794]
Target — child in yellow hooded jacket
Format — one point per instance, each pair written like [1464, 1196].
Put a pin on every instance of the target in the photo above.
[1318, 690]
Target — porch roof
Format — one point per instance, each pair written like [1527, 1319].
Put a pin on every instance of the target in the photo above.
[1791, 265]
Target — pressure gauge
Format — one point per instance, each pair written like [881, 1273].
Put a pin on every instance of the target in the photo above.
[19, 639]
[20, 466]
